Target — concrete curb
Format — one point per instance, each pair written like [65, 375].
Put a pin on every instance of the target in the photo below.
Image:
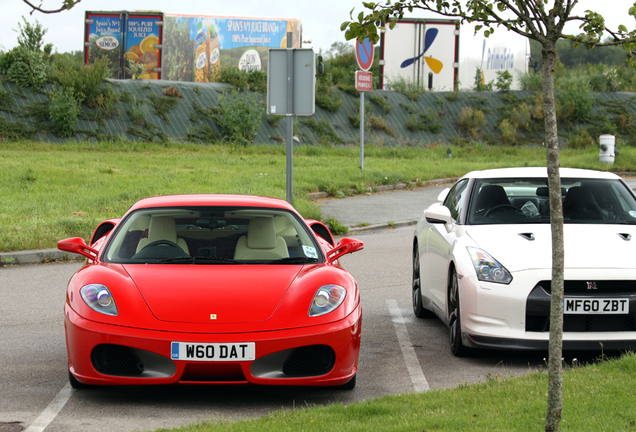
[385, 188]
[36, 257]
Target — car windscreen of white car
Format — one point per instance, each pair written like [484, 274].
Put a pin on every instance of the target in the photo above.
[525, 200]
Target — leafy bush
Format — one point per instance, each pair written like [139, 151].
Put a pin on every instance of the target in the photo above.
[382, 102]
[328, 99]
[582, 139]
[471, 120]
[531, 81]
[239, 116]
[137, 111]
[326, 133]
[428, 120]
[480, 83]
[63, 111]
[504, 80]
[521, 116]
[24, 67]
[244, 80]
[31, 35]
[508, 132]
[85, 81]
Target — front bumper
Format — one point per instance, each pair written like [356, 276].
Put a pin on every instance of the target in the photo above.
[104, 354]
[516, 316]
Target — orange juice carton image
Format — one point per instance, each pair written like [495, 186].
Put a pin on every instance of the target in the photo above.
[214, 53]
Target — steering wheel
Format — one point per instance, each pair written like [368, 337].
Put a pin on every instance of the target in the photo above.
[500, 207]
[164, 243]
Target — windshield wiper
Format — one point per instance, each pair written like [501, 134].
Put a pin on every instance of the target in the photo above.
[198, 260]
[286, 260]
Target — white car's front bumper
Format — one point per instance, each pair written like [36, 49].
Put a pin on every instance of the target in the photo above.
[516, 316]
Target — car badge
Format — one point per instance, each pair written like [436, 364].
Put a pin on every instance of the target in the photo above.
[591, 285]
[212, 316]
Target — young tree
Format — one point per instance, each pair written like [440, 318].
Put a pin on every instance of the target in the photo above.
[66, 5]
[543, 21]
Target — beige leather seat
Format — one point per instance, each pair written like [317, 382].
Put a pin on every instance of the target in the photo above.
[162, 228]
[261, 242]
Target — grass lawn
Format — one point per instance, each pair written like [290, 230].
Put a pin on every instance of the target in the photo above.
[50, 191]
[597, 397]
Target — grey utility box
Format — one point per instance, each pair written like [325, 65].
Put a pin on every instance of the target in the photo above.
[299, 73]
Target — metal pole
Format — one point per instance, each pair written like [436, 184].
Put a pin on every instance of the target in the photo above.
[361, 130]
[290, 120]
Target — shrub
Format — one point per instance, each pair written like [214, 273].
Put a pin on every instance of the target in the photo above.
[508, 132]
[382, 102]
[582, 139]
[254, 80]
[521, 116]
[480, 82]
[137, 111]
[504, 80]
[24, 67]
[63, 111]
[239, 116]
[471, 120]
[85, 81]
[328, 99]
[31, 36]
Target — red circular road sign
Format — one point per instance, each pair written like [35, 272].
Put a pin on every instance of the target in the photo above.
[364, 54]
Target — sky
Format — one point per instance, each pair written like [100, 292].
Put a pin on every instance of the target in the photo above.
[320, 19]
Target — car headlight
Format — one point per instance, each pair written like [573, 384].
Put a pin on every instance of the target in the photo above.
[99, 298]
[326, 299]
[488, 269]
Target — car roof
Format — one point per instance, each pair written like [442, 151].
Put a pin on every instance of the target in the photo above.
[540, 172]
[211, 200]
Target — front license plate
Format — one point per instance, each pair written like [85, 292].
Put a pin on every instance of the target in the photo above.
[213, 351]
[595, 306]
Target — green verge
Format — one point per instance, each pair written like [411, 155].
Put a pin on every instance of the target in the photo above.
[52, 191]
[597, 397]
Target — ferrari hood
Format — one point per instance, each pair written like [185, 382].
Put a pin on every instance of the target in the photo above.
[213, 293]
[525, 247]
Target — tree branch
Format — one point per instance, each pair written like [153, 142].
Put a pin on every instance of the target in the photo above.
[66, 5]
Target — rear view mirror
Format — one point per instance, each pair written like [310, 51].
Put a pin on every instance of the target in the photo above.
[345, 246]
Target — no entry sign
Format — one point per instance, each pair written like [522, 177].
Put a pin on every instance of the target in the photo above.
[364, 54]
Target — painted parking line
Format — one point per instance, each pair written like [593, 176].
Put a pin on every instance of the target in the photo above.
[410, 358]
[52, 410]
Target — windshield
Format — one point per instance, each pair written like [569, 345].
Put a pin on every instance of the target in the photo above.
[212, 235]
[518, 201]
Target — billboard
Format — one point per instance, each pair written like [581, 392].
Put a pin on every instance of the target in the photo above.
[195, 48]
[124, 37]
[413, 49]
[443, 56]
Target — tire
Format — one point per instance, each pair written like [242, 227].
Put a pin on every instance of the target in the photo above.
[75, 383]
[416, 293]
[455, 323]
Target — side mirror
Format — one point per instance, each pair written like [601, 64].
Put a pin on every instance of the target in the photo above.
[345, 246]
[438, 214]
[77, 245]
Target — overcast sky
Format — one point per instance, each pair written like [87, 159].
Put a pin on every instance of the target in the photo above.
[320, 19]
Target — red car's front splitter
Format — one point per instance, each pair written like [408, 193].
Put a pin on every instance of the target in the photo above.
[145, 355]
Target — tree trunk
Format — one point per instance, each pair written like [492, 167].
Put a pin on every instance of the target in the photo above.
[555, 371]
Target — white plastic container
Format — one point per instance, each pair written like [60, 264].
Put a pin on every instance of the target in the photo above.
[607, 143]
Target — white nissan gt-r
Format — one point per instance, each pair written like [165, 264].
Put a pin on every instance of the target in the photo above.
[482, 261]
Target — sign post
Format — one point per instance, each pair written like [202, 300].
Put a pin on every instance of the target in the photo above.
[364, 82]
[291, 90]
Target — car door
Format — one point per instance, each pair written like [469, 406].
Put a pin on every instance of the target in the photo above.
[440, 242]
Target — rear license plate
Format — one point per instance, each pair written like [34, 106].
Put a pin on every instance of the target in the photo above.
[595, 306]
[213, 351]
